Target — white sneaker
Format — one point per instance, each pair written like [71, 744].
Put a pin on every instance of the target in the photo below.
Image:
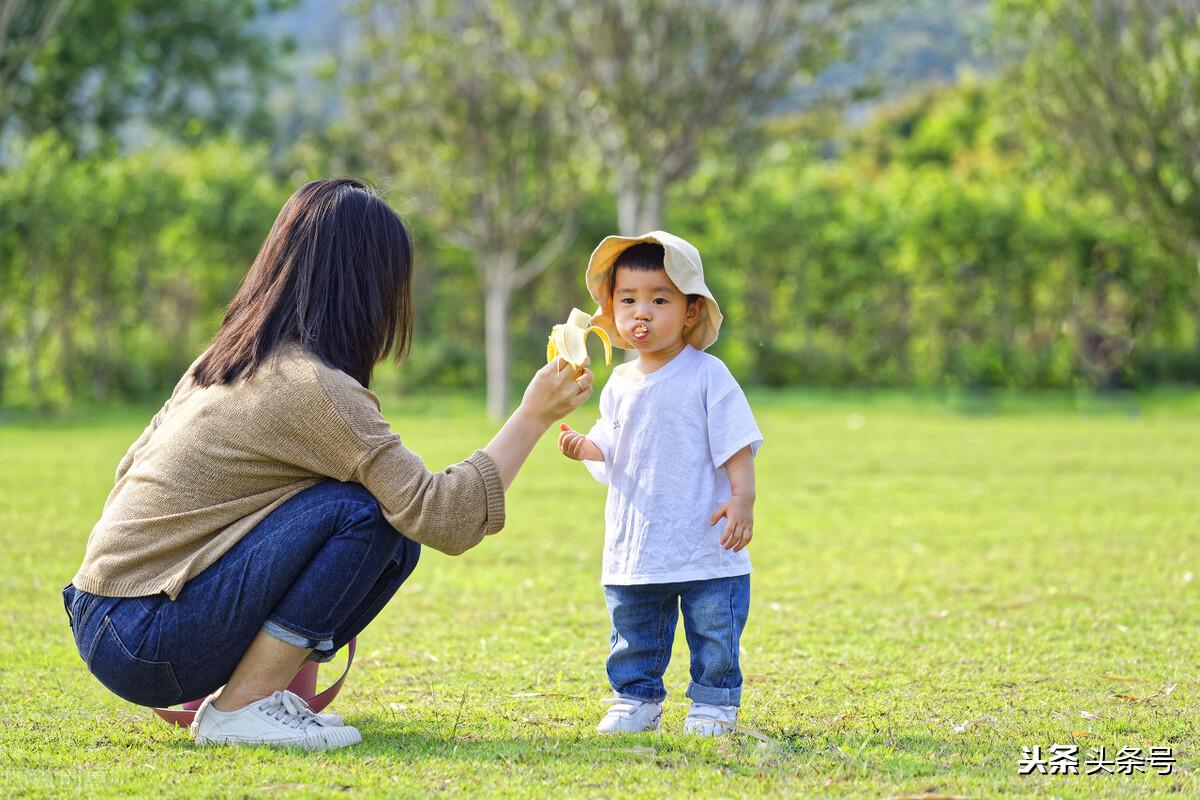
[627, 715]
[329, 718]
[281, 720]
[706, 720]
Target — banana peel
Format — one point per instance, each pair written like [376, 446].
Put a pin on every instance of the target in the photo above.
[569, 340]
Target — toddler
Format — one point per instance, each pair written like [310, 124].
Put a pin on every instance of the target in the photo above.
[675, 443]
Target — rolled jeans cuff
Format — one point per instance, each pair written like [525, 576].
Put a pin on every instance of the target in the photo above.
[713, 696]
[642, 696]
[277, 631]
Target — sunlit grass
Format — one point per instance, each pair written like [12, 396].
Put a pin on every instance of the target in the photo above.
[936, 586]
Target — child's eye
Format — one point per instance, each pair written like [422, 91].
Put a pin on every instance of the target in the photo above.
[660, 301]
[627, 300]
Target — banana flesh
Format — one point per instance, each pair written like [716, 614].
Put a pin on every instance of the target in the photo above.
[569, 340]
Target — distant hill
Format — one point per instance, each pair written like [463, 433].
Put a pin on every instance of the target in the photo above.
[907, 45]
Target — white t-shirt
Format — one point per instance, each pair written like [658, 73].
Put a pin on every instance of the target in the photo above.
[665, 440]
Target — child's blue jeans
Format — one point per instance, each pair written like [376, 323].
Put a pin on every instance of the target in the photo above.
[313, 573]
[644, 619]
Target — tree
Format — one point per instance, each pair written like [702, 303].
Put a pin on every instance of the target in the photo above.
[937, 250]
[24, 31]
[83, 69]
[114, 269]
[658, 80]
[456, 102]
[1116, 83]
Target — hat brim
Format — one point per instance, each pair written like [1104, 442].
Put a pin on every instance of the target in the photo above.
[689, 279]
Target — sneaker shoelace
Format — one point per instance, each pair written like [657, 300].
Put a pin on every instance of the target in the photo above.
[291, 710]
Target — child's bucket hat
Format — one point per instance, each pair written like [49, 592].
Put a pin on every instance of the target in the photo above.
[682, 262]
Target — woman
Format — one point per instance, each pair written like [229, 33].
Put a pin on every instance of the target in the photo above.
[268, 512]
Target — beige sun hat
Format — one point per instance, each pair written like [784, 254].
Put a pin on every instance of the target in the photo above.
[682, 262]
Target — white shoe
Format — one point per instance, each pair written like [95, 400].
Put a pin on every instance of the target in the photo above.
[706, 720]
[329, 718]
[627, 715]
[281, 720]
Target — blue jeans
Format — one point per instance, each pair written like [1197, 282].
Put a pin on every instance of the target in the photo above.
[644, 619]
[313, 573]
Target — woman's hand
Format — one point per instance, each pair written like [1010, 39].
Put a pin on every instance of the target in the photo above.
[574, 444]
[554, 392]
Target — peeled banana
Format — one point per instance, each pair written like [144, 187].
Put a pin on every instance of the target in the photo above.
[569, 340]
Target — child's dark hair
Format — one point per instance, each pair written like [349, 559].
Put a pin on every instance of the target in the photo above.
[643, 257]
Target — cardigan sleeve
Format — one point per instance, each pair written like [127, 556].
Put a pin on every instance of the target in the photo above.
[450, 510]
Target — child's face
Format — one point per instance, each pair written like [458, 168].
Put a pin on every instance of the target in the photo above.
[649, 311]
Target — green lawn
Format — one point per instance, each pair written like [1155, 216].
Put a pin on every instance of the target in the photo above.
[935, 588]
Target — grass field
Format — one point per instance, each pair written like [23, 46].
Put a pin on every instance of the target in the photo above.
[935, 588]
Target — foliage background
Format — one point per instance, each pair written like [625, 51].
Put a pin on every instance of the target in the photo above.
[949, 566]
[889, 227]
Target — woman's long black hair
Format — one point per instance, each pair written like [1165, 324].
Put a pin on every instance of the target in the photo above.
[332, 276]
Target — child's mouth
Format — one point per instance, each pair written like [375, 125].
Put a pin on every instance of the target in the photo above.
[640, 331]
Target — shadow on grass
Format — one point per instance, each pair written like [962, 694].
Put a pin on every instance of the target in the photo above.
[582, 749]
[817, 749]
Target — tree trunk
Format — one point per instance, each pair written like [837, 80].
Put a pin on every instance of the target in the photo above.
[6, 345]
[102, 369]
[1196, 296]
[33, 350]
[65, 322]
[498, 275]
[640, 203]
[650, 212]
[629, 198]
[639, 210]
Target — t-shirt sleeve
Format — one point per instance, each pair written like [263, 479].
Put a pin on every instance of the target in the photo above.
[731, 424]
[601, 435]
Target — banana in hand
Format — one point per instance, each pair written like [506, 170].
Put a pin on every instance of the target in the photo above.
[569, 340]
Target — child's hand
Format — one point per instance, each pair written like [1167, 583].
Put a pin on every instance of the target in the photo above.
[574, 444]
[738, 512]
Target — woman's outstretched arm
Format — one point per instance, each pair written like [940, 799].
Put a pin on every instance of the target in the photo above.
[553, 393]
